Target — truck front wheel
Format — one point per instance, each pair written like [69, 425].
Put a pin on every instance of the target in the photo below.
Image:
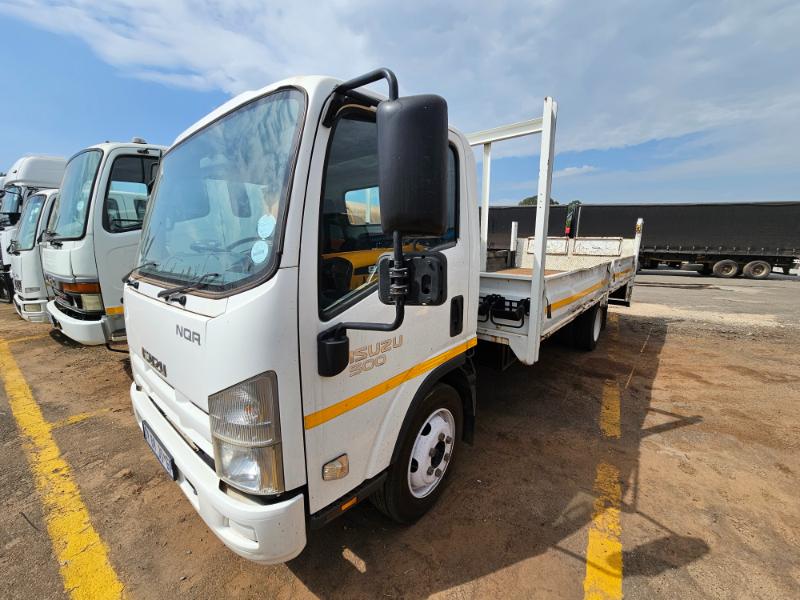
[416, 480]
[728, 269]
[757, 269]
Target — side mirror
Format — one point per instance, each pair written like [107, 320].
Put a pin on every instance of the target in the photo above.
[412, 164]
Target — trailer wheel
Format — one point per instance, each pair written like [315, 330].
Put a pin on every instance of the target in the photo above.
[587, 328]
[416, 480]
[726, 268]
[757, 269]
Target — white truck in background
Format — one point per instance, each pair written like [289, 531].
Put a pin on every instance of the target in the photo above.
[91, 241]
[297, 347]
[26, 177]
[31, 291]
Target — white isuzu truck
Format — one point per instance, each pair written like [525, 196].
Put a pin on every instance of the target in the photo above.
[92, 239]
[307, 296]
[31, 291]
[26, 177]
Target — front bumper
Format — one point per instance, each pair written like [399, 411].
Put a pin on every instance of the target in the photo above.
[264, 533]
[31, 310]
[89, 333]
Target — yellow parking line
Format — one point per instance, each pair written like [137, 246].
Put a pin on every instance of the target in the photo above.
[82, 555]
[609, 410]
[603, 579]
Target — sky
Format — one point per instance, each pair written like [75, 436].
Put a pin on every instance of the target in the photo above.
[657, 102]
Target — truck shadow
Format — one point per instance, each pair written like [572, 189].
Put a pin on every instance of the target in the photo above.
[524, 488]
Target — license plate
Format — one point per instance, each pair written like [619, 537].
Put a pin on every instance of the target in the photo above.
[164, 457]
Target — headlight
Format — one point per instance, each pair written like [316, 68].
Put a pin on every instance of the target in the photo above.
[245, 428]
[92, 302]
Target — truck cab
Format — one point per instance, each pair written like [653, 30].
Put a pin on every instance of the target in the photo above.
[92, 238]
[26, 177]
[31, 292]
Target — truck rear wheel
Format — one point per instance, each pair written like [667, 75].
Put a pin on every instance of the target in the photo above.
[726, 268]
[416, 480]
[587, 328]
[757, 269]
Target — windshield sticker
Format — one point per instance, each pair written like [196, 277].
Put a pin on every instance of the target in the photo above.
[266, 226]
[259, 252]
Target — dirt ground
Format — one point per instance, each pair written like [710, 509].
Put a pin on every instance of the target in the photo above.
[708, 459]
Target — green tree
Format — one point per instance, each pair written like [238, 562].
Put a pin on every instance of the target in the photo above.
[531, 201]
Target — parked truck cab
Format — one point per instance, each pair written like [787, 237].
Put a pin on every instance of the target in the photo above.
[305, 300]
[26, 177]
[93, 236]
[31, 292]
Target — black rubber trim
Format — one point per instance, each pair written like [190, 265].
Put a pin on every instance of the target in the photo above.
[361, 493]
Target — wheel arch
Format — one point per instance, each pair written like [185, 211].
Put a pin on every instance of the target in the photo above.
[459, 373]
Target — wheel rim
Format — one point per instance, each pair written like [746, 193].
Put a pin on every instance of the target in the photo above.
[598, 323]
[432, 453]
[727, 269]
[758, 270]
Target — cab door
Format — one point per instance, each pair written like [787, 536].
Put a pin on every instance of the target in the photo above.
[120, 204]
[359, 411]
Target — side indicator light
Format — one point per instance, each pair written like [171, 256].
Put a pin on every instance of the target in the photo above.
[336, 469]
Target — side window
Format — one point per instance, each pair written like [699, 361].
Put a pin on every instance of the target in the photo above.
[351, 239]
[126, 195]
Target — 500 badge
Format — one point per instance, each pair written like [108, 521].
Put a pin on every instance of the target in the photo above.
[370, 356]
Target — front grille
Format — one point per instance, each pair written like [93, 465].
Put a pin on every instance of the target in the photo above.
[73, 312]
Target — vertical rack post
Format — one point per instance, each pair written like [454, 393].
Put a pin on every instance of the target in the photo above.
[512, 244]
[485, 187]
[540, 233]
[637, 241]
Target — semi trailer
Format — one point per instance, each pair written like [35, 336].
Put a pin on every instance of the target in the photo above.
[92, 238]
[31, 292]
[310, 288]
[726, 239]
[26, 177]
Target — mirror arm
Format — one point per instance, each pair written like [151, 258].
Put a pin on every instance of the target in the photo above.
[398, 275]
[368, 78]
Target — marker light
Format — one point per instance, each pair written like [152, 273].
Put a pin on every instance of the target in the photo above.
[245, 428]
[336, 469]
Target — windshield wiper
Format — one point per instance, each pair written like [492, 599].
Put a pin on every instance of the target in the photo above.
[149, 263]
[193, 285]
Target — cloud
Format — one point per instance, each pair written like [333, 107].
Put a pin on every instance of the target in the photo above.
[574, 171]
[623, 73]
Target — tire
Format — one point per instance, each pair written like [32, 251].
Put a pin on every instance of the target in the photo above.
[757, 269]
[587, 328]
[726, 268]
[408, 494]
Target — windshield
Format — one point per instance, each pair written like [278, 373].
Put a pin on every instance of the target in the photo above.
[69, 213]
[10, 202]
[26, 235]
[221, 196]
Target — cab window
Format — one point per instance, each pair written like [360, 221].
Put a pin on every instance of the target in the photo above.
[126, 198]
[351, 239]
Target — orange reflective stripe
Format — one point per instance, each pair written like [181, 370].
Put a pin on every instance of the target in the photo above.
[348, 404]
